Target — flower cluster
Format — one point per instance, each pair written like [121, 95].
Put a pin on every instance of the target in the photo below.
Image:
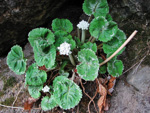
[64, 49]
[83, 25]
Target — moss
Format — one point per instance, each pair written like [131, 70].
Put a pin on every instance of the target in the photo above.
[9, 82]
[8, 101]
[1, 93]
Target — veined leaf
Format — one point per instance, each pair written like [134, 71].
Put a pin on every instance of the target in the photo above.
[89, 45]
[102, 29]
[115, 43]
[115, 67]
[34, 76]
[97, 8]
[66, 93]
[63, 36]
[89, 66]
[108, 17]
[16, 60]
[34, 91]
[41, 34]
[48, 103]
[44, 54]
[62, 24]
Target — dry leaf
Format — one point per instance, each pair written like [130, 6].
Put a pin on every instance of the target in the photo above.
[42, 68]
[111, 84]
[29, 103]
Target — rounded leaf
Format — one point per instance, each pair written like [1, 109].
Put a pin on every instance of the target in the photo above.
[44, 54]
[16, 61]
[96, 7]
[48, 103]
[103, 68]
[34, 76]
[89, 66]
[115, 67]
[62, 24]
[66, 93]
[34, 91]
[89, 45]
[115, 43]
[102, 29]
[41, 34]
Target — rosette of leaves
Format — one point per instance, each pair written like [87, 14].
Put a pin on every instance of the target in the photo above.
[63, 36]
[102, 29]
[41, 34]
[96, 7]
[89, 66]
[44, 53]
[115, 67]
[66, 93]
[48, 103]
[62, 24]
[115, 43]
[34, 91]
[16, 60]
[89, 45]
[34, 76]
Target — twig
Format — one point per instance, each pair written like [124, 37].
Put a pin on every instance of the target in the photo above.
[18, 94]
[119, 49]
[87, 94]
[11, 107]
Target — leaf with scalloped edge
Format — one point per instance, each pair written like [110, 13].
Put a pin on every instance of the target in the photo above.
[115, 67]
[115, 43]
[96, 7]
[48, 103]
[16, 61]
[89, 66]
[34, 76]
[108, 17]
[34, 91]
[102, 29]
[41, 34]
[63, 36]
[62, 24]
[89, 45]
[44, 54]
[67, 94]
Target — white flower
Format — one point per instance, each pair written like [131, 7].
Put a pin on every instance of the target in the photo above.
[64, 49]
[83, 25]
[46, 89]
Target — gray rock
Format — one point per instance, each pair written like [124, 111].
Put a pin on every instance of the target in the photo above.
[17, 18]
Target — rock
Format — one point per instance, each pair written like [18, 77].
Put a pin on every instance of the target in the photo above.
[134, 98]
[17, 18]
[140, 78]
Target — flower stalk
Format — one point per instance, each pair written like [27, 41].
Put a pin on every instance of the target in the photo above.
[83, 36]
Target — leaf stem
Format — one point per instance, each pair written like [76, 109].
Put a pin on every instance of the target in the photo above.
[90, 38]
[121, 47]
[73, 76]
[83, 36]
[93, 39]
[78, 31]
[72, 59]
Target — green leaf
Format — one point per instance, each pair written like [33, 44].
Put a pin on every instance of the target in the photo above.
[96, 7]
[62, 24]
[115, 43]
[63, 73]
[115, 67]
[44, 54]
[34, 91]
[108, 17]
[89, 45]
[64, 63]
[41, 34]
[48, 103]
[89, 66]
[78, 42]
[34, 76]
[103, 68]
[16, 60]
[66, 93]
[102, 29]
[63, 36]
